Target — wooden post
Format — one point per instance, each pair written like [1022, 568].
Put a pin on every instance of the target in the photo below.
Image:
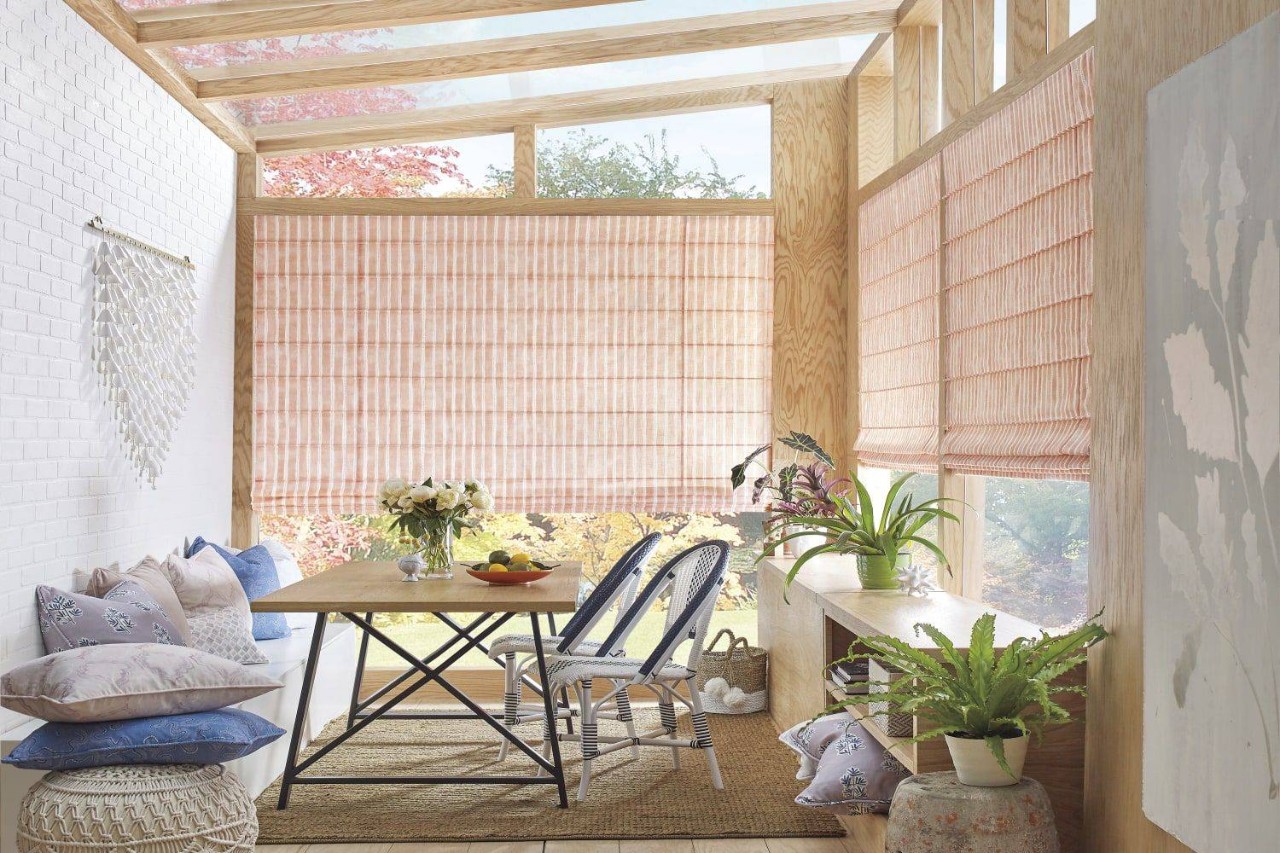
[875, 127]
[968, 55]
[810, 151]
[526, 161]
[1057, 27]
[1027, 34]
[244, 521]
[915, 76]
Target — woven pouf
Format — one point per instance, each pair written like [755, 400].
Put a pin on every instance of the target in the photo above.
[146, 808]
[933, 812]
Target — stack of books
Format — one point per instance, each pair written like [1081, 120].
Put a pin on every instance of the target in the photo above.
[850, 677]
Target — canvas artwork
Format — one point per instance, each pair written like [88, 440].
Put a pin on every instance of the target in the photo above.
[1211, 739]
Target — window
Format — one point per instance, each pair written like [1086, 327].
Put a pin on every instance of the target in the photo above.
[598, 540]
[430, 170]
[719, 154]
[922, 486]
[1035, 549]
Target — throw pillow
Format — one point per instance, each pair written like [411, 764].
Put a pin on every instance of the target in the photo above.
[207, 737]
[152, 577]
[256, 572]
[811, 739]
[856, 775]
[127, 681]
[205, 583]
[290, 572]
[126, 614]
[222, 633]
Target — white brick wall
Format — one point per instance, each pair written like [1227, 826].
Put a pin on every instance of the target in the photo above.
[85, 132]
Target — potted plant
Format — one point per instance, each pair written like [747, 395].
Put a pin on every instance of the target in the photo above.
[797, 490]
[882, 545]
[987, 706]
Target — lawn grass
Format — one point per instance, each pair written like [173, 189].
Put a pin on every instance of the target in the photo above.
[422, 637]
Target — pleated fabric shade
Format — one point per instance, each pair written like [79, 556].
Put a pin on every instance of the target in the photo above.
[899, 231]
[1018, 284]
[574, 363]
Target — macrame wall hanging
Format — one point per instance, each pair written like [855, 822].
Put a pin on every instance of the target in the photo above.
[143, 342]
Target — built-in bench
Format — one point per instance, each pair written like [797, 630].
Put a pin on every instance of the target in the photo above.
[829, 611]
[329, 699]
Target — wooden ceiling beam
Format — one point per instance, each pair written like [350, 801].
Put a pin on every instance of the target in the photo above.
[111, 21]
[238, 20]
[440, 124]
[547, 50]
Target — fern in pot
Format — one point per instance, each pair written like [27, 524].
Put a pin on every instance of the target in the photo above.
[882, 544]
[987, 705]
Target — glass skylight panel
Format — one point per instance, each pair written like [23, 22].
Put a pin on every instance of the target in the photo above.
[551, 81]
[456, 32]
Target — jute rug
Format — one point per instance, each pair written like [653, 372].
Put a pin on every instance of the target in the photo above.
[628, 798]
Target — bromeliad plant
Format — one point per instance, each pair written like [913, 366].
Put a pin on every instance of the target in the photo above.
[977, 694]
[881, 544]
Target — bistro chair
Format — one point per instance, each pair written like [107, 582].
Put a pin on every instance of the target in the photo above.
[694, 578]
[618, 585]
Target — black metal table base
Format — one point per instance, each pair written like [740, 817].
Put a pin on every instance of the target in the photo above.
[426, 669]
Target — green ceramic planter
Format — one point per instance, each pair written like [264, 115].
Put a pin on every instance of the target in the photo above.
[877, 572]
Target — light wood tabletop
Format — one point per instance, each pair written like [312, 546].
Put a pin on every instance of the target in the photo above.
[377, 587]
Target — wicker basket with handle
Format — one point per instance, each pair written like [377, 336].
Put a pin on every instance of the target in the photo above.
[744, 671]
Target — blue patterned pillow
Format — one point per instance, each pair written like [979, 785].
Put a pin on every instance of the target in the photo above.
[126, 614]
[257, 573]
[210, 737]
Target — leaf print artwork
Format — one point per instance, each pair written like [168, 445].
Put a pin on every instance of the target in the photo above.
[1211, 447]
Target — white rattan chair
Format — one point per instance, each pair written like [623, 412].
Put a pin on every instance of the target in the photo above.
[517, 650]
[695, 578]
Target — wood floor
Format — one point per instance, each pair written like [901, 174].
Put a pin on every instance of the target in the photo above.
[665, 845]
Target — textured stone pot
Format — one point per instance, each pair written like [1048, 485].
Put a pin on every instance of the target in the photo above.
[878, 572]
[975, 765]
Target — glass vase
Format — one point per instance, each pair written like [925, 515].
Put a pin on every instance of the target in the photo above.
[436, 548]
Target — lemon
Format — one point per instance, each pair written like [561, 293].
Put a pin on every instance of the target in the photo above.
[520, 557]
[497, 567]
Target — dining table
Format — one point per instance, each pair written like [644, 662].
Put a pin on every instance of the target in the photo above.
[359, 591]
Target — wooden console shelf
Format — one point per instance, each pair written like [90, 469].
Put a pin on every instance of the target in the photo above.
[829, 611]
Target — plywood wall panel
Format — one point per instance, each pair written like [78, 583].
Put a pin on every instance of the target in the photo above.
[810, 138]
[1139, 43]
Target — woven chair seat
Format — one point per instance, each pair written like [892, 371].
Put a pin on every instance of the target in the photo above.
[564, 671]
[145, 808]
[522, 644]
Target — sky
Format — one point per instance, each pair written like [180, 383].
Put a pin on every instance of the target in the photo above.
[737, 138]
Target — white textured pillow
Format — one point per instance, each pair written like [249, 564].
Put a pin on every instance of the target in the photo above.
[288, 571]
[221, 633]
[127, 681]
[216, 606]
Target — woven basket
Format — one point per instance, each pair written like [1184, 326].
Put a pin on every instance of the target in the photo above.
[743, 666]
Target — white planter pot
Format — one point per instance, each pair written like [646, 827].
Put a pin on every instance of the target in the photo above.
[800, 544]
[975, 765]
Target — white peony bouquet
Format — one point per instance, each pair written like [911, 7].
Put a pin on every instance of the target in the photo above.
[431, 513]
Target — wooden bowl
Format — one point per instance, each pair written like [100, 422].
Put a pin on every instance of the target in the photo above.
[510, 578]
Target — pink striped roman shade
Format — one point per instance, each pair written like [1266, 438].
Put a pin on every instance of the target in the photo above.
[898, 323]
[576, 364]
[1018, 283]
